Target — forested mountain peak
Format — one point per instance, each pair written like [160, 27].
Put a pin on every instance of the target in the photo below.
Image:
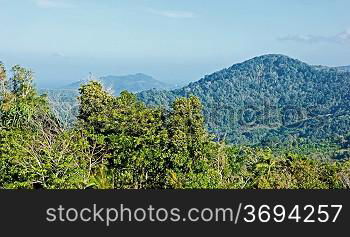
[273, 60]
[270, 97]
[270, 64]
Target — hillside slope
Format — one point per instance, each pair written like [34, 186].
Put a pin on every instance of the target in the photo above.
[269, 99]
[344, 68]
[133, 83]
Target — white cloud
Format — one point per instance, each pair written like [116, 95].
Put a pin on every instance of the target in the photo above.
[58, 55]
[53, 4]
[172, 14]
[304, 38]
[342, 37]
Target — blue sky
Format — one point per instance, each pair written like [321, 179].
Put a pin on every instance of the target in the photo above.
[175, 41]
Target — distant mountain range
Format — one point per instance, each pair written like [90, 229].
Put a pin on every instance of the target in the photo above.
[133, 83]
[64, 100]
[344, 68]
[268, 100]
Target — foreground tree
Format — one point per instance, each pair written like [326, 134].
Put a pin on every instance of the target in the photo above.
[118, 142]
[34, 150]
[146, 147]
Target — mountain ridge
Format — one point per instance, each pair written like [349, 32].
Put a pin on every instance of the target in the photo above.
[133, 82]
[344, 68]
[269, 81]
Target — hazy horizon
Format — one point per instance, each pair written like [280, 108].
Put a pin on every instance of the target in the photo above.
[174, 42]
